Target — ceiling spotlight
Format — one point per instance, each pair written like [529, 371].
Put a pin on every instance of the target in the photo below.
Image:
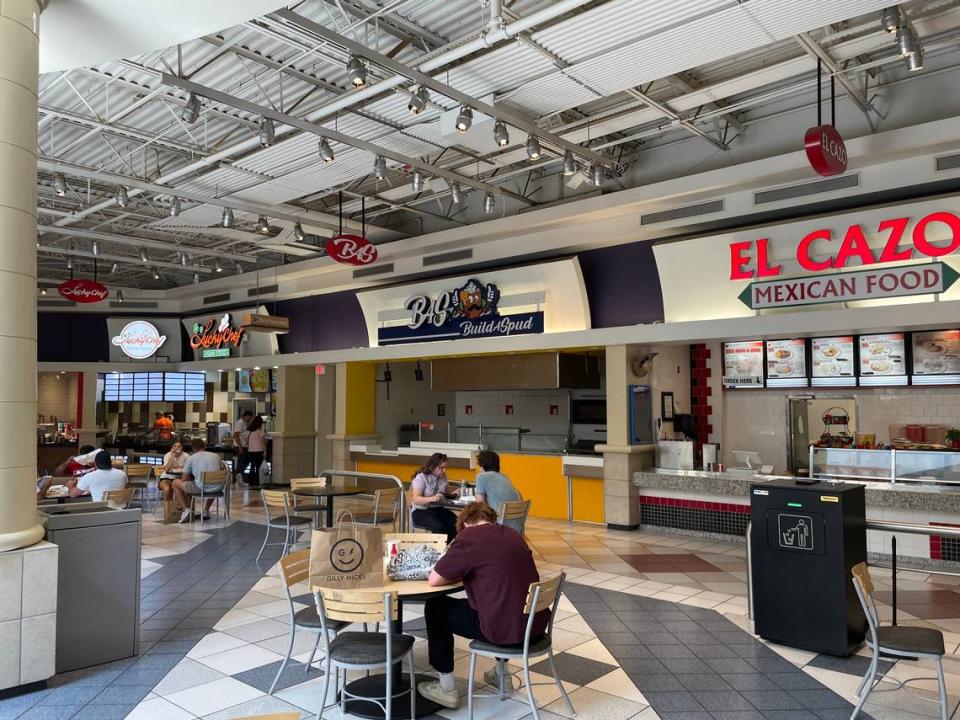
[174, 206]
[907, 41]
[267, 133]
[596, 174]
[380, 167]
[227, 218]
[489, 203]
[533, 147]
[114, 268]
[43, 291]
[196, 278]
[418, 101]
[326, 152]
[95, 247]
[464, 119]
[891, 19]
[59, 184]
[38, 241]
[143, 255]
[500, 134]
[263, 226]
[183, 259]
[455, 194]
[238, 267]
[119, 296]
[416, 182]
[356, 72]
[191, 111]
[121, 197]
[298, 232]
[69, 263]
[217, 267]
[155, 273]
[915, 61]
[569, 164]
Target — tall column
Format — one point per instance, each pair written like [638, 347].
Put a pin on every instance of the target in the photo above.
[355, 410]
[295, 434]
[19, 56]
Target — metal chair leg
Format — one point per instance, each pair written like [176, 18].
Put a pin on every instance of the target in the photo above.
[413, 687]
[863, 680]
[559, 682]
[943, 689]
[473, 670]
[388, 698]
[265, 537]
[312, 653]
[283, 665]
[343, 691]
[501, 680]
[326, 687]
[871, 675]
[526, 678]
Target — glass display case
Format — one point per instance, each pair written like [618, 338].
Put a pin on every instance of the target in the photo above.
[893, 466]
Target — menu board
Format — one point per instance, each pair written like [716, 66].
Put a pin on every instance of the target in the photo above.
[936, 352]
[832, 356]
[882, 354]
[743, 364]
[786, 358]
[155, 386]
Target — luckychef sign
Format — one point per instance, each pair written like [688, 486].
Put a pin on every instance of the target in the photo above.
[83, 291]
[139, 339]
[222, 335]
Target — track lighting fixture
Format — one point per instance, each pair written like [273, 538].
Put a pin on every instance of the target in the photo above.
[217, 267]
[298, 232]
[569, 164]
[69, 263]
[596, 174]
[38, 241]
[155, 273]
[267, 133]
[59, 184]
[489, 203]
[191, 111]
[356, 72]
[907, 41]
[43, 291]
[455, 193]
[500, 133]
[326, 152]
[114, 268]
[95, 247]
[121, 197]
[227, 218]
[380, 167]
[533, 147]
[915, 61]
[418, 101]
[464, 119]
[174, 206]
[416, 182]
[196, 278]
[263, 226]
[891, 19]
[183, 259]
[143, 255]
[119, 296]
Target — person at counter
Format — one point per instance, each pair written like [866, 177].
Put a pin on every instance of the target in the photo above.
[496, 568]
[256, 449]
[429, 486]
[105, 477]
[77, 465]
[202, 461]
[173, 464]
[163, 426]
[493, 487]
[240, 435]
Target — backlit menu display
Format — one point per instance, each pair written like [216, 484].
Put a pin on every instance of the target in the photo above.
[743, 364]
[936, 352]
[154, 387]
[786, 358]
[180, 387]
[882, 355]
[832, 356]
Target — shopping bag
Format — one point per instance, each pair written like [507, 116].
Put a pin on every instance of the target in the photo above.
[346, 556]
[171, 513]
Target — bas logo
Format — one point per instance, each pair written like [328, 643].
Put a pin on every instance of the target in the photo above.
[351, 249]
[471, 301]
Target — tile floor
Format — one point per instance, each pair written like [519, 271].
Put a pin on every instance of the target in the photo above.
[650, 626]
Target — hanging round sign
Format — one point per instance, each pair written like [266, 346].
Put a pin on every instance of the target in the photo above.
[83, 291]
[351, 249]
[825, 150]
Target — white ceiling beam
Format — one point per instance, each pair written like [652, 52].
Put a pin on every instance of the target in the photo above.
[134, 261]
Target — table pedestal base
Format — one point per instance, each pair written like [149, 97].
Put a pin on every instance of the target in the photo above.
[376, 686]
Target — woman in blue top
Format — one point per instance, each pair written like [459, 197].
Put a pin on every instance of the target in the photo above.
[429, 488]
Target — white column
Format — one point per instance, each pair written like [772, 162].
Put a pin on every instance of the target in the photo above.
[19, 54]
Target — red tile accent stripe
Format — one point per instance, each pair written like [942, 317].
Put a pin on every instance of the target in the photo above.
[935, 553]
[694, 504]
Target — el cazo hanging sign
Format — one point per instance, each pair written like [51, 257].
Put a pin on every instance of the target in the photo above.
[825, 150]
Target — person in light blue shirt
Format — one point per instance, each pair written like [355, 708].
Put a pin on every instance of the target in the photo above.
[493, 487]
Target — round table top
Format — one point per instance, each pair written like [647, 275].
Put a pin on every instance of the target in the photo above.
[412, 588]
[329, 491]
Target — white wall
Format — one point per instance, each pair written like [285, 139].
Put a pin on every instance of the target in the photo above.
[57, 396]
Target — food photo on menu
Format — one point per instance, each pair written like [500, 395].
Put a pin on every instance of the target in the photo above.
[882, 354]
[786, 358]
[936, 353]
[832, 357]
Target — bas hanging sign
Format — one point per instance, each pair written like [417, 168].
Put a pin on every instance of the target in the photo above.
[351, 249]
[217, 333]
[466, 312]
[900, 281]
[83, 291]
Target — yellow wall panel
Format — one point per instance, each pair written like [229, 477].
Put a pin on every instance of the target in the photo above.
[361, 400]
[588, 499]
[538, 478]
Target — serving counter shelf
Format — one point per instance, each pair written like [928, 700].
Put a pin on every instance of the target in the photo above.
[917, 467]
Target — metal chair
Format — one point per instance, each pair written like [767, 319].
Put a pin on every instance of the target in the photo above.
[294, 569]
[118, 498]
[894, 640]
[364, 650]
[541, 596]
[138, 479]
[206, 481]
[408, 494]
[386, 502]
[513, 514]
[288, 522]
[312, 506]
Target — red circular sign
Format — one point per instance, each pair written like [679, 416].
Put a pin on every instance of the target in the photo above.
[825, 150]
[351, 249]
[83, 291]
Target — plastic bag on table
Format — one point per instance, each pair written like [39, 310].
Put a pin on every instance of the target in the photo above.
[413, 563]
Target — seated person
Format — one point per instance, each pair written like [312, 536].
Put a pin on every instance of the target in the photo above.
[77, 465]
[104, 477]
[429, 485]
[496, 568]
[493, 487]
[173, 463]
[202, 461]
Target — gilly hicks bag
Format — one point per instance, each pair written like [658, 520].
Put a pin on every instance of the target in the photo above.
[346, 556]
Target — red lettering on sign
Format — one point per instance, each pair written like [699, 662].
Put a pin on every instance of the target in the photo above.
[825, 150]
[83, 291]
[351, 249]
[803, 251]
[738, 261]
[896, 226]
[764, 269]
[854, 245]
[926, 247]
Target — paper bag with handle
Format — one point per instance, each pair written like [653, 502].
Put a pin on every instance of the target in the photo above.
[346, 556]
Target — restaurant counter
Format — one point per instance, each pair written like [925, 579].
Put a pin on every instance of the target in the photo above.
[711, 503]
[562, 487]
[50, 455]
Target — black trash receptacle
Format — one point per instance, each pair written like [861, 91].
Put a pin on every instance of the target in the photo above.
[804, 541]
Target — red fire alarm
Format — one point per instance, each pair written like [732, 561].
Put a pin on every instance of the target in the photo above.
[320, 369]
[554, 409]
[468, 409]
[508, 409]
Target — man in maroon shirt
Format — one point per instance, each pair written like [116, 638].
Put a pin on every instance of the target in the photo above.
[496, 568]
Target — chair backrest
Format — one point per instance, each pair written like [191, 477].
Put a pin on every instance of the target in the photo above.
[213, 477]
[295, 567]
[356, 606]
[542, 595]
[385, 503]
[513, 510]
[275, 499]
[863, 584]
[307, 482]
[118, 498]
[408, 540]
[137, 471]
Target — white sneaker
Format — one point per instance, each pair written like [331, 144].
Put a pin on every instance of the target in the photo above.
[185, 516]
[492, 678]
[431, 690]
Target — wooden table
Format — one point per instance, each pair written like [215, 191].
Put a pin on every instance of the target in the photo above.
[376, 685]
[329, 492]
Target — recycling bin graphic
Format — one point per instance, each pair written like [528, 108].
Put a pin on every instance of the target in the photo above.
[804, 540]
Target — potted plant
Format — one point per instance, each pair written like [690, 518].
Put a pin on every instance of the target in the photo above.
[953, 437]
